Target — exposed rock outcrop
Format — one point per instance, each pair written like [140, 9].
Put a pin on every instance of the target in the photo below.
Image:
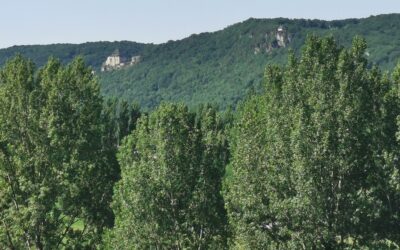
[279, 38]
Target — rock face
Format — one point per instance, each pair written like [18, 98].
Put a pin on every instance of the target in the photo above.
[279, 38]
[117, 61]
[135, 60]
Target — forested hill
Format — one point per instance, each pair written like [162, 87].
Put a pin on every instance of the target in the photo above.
[219, 67]
[93, 52]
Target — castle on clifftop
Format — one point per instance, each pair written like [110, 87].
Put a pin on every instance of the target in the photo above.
[117, 61]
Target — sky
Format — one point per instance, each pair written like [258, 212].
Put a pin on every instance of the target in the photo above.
[24, 22]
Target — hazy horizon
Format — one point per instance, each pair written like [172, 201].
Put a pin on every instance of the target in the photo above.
[156, 21]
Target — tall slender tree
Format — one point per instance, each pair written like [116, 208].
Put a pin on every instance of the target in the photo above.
[56, 184]
[310, 163]
[172, 168]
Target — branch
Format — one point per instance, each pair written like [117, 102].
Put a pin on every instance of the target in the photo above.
[65, 232]
[12, 247]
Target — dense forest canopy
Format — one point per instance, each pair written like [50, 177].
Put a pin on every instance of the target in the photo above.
[310, 160]
[219, 67]
[315, 157]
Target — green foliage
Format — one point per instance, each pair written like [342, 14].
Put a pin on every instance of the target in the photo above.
[94, 53]
[119, 119]
[315, 156]
[217, 67]
[172, 167]
[314, 150]
[53, 173]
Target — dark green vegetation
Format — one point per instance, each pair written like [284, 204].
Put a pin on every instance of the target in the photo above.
[311, 161]
[94, 53]
[172, 167]
[57, 155]
[315, 157]
[52, 166]
[217, 67]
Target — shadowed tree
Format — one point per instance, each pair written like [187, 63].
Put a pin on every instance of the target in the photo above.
[313, 162]
[55, 183]
[169, 194]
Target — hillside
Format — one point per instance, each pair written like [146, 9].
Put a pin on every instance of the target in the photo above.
[218, 67]
[93, 52]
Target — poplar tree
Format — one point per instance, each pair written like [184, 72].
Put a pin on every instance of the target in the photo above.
[313, 161]
[171, 173]
[55, 182]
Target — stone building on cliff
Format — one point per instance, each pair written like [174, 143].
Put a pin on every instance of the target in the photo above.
[116, 61]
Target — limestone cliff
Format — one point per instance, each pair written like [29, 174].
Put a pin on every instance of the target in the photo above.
[279, 38]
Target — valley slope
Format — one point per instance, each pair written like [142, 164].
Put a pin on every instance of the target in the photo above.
[219, 67]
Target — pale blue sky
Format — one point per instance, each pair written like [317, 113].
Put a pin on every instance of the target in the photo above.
[76, 21]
